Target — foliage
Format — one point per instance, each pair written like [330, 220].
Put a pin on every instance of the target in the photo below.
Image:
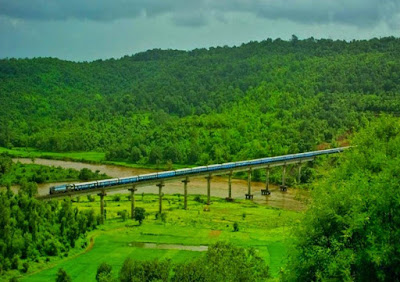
[223, 262]
[155, 270]
[235, 227]
[351, 229]
[140, 214]
[32, 228]
[62, 276]
[123, 214]
[17, 173]
[103, 271]
[201, 106]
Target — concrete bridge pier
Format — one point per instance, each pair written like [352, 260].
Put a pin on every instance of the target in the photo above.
[249, 196]
[209, 177]
[160, 196]
[283, 186]
[229, 199]
[299, 174]
[133, 190]
[185, 182]
[266, 190]
[102, 194]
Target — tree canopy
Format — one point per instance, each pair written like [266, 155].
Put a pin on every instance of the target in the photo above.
[201, 106]
[351, 230]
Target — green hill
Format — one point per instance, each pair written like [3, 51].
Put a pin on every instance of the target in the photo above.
[201, 106]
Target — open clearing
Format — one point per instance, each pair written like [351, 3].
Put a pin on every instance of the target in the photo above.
[264, 228]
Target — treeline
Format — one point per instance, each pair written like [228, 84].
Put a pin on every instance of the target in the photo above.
[201, 106]
[351, 230]
[16, 173]
[222, 262]
[33, 230]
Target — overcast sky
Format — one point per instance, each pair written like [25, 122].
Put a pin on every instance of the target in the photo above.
[84, 30]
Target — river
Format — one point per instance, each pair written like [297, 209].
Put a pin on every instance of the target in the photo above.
[293, 199]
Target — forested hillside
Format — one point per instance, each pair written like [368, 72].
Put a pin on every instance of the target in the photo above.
[201, 106]
[351, 229]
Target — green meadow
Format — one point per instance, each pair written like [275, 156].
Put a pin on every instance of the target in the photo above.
[25, 152]
[263, 228]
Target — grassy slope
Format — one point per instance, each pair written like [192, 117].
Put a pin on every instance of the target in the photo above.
[263, 228]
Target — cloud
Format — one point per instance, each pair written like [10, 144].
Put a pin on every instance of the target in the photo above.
[361, 13]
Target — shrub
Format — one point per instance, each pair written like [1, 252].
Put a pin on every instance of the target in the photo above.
[62, 276]
[15, 262]
[103, 271]
[140, 214]
[25, 267]
[123, 214]
[235, 227]
[90, 198]
[155, 270]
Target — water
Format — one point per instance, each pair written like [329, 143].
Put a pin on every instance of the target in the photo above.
[293, 199]
[168, 247]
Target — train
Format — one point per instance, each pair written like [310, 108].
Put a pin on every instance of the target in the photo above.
[185, 172]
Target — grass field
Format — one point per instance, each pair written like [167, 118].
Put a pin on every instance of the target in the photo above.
[88, 157]
[34, 153]
[261, 227]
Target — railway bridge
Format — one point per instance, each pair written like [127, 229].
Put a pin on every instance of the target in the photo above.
[160, 178]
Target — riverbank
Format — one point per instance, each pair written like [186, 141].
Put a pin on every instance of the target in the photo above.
[84, 157]
[264, 228]
[19, 171]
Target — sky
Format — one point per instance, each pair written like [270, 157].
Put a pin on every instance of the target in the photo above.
[86, 30]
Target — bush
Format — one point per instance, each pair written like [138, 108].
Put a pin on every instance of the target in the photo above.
[198, 199]
[123, 214]
[140, 214]
[62, 276]
[223, 262]
[85, 174]
[163, 217]
[25, 267]
[15, 262]
[90, 198]
[103, 271]
[155, 270]
[235, 227]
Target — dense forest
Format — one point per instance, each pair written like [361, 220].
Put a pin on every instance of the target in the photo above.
[34, 230]
[201, 106]
[351, 230]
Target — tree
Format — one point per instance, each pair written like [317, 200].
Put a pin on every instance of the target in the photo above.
[140, 214]
[136, 154]
[123, 214]
[348, 233]
[155, 155]
[103, 271]
[221, 264]
[28, 188]
[62, 276]
[155, 270]
[5, 163]
[85, 174]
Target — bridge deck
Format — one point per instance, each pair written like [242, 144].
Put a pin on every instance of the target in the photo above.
[220, 169]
